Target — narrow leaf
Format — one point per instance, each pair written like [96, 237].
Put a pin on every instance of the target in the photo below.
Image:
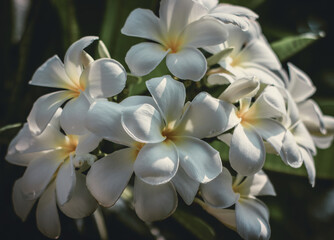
[194, 224]
[289, 46]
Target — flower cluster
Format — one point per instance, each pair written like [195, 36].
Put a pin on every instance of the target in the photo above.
[163, 138]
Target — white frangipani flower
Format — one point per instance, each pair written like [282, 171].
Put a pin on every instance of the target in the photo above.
[228, 13]
[165, 150]
[253, 122]
[250, 218]
[54, 164]
[301, 88]
[82, 79]
[177, 33]
[248, 54]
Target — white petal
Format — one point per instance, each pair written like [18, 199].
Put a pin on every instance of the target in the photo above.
[256, 185]
[204, 32]
[220, 78]
[219, 192]
[189, 63]
[108, 177]
[138, 100]
[82, 203]
[290, 153]
[198, 159]
[22, 207]
[247, 152]
[52, 74]
[271, 131]
[265, 75]
[104, 120]
[241, 22]
[322, 142]
[303, 137]
[154, 202]
[310, 112]
[195, 121]
[169, 96]
[87, 143]
[104, 78]
[300, 85]
[185, 186]
[157, 163]
[259, 52]
[309, 165]
[73, 115]
[209, 4]
[143, 123]
[65, 182]
[236, 10]
[47, 217]
[73, 61]
[39, 173]
[252, 219]
[241, 88]
[231, 114]
[175, 15]
[268, 105]
[44, 108]
[142, 23]
[225, 216]
[143, 58]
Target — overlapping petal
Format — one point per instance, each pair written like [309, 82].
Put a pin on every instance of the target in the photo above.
[154, 202]
[108, 177]
[52, 74]
[143, 123]
[219, 192]
[47, 214]
[188, 63]
[142, 23]
[198, 159]
[144, 57]
[169, 96]
[73, 58]
[185, 186]
[246, 158]
[82, 203]
[104, 120]
[44, 108]
[205, 32]
[195, 121]
[157, 163]
[103, 78]
[65, 182]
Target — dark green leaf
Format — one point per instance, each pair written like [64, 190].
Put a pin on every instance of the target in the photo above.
[194, 224]
[289, 46]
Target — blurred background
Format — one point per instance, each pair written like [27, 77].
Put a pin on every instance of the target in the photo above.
[35, 30]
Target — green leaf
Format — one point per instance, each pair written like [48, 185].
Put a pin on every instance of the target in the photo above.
[214, 59]
[9, 127]
[289, 46]
[194, 224]
[252, 4]
[69, 24]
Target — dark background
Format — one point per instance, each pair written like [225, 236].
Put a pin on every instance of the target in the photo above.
[298, 212]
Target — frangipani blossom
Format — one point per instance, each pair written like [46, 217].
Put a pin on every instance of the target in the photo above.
[247, 54]
[250, 218]
[177, 33]
[301, 88]
[54, 164]
[253, 122]
[165, 150]
[82, 79]
[228, 13]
